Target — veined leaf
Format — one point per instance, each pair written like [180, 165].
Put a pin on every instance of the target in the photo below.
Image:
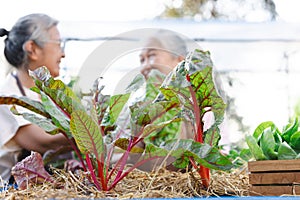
[66, 103]
[166, 124]
[60, 93]
[152, 85]
[57, 115]
[59, 85]
[44, 123]
[101, 105]
[30, 171]
[212, 136]
[203, 154]
[116, 105]
[207, 95]
[43, 79]
[153, 127]
[196, 73]
[136, 83]
[86, 133]
[25, 102]
[123, 144]
[145, 114]
[199, 67]
[197, 61]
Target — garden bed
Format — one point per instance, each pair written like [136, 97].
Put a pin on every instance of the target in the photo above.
[139, 184]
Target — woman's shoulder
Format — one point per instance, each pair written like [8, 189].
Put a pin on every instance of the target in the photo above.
[9, 86]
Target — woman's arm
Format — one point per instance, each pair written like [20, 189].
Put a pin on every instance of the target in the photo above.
[34, 138]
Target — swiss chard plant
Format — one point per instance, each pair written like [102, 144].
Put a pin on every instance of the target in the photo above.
[269, 143]
[192, 88]
[157, 120]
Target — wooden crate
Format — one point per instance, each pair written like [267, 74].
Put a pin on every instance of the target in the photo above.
[274, 177]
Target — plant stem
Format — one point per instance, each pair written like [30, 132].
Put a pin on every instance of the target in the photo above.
[203, 171]
[91, 170]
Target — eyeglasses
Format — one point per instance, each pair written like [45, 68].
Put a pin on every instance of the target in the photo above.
[60, 42]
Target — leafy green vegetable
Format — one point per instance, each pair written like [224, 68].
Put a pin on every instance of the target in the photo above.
[186, 95]
[295, 140]
[269, 143]
[285, 152]
[260, 129]
[290, 129]
[254, 148]
[86, 133]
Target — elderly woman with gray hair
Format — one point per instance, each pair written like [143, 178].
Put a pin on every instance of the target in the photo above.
[162, 51]
[34, 41]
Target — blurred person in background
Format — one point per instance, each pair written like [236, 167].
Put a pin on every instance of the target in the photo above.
[33, 41]
[162, 51]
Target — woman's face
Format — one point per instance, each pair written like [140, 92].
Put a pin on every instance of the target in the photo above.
[50, 54]
[157, 58]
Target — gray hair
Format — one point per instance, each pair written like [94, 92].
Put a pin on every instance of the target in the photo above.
[30, 27]
[169, 41]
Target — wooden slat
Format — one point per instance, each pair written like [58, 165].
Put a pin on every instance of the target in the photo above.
[274, 178]
[274, 190]
[274, 165]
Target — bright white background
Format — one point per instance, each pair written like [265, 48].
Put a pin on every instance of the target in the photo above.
[112, 10]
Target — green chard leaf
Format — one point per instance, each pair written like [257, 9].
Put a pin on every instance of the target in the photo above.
[39, 120]
[123, 144]
[195, 75]
[152, 85]
[61, 94]
[25, 102]
[44, 123]
[59, 118]
[149, 128]
[116, 105]
[148, 113]
[155, 113]
[207, 95]
[212, 135]
[203, 154]
[136, 83]
[62, 100]
[86, 133]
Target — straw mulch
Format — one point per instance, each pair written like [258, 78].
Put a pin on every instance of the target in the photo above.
[138, 184]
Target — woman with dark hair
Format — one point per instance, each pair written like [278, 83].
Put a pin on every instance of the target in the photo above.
[34, 41]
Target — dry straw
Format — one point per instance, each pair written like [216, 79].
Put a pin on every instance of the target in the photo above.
[138, 184]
